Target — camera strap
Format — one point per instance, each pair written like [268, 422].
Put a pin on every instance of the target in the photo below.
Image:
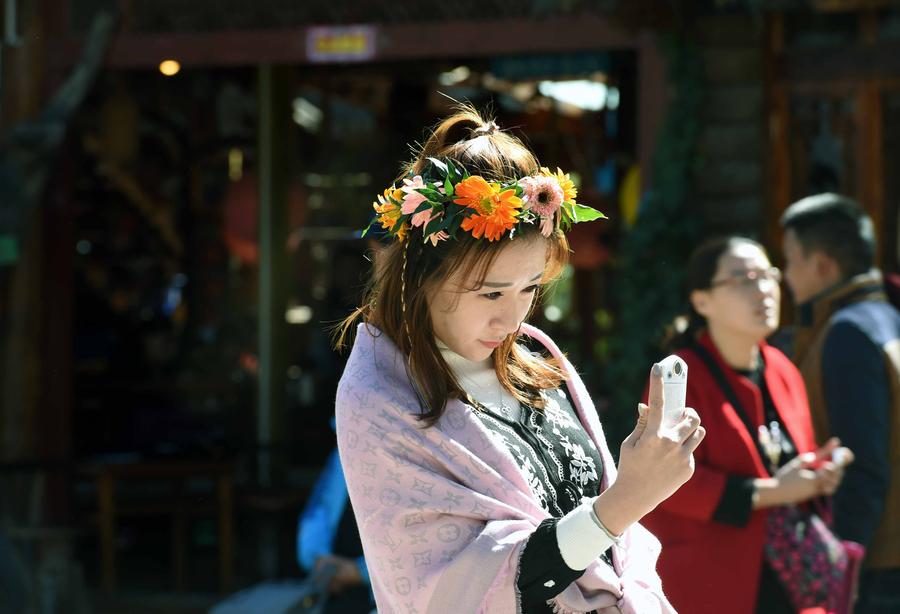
[722, 380]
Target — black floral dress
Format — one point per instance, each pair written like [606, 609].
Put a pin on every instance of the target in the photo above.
[563, 466]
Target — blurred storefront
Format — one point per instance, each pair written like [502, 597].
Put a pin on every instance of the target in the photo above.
[201, 230]
[214, 183]
[170, 178]
[833, 110]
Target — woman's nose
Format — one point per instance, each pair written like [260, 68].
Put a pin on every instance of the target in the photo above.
[506, 320]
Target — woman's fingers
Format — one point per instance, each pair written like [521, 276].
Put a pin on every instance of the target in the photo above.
[639, 428]
[688, 424]
[830, 477]
[655, 399]
[807, 459]
[642, 417]
[842, 457]
[828, 487]
[694, 440]
[830, 446]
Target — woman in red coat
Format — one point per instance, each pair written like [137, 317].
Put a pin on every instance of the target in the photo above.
[714, 527]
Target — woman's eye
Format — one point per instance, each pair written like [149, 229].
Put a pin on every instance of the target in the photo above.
[493, 296]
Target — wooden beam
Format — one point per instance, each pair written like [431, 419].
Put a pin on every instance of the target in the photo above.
[844, 6]
[394, 42]
[854, 63]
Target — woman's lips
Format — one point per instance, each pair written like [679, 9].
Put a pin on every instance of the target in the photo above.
[490, 344]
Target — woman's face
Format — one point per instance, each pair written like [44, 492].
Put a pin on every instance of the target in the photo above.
[474, 322]
[744, 298]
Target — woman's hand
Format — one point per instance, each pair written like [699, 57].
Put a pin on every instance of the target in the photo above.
[809, 475]
[831, 471]
[654, 462]
[346, 572]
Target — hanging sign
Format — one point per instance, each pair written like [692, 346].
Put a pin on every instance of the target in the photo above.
[340, 43]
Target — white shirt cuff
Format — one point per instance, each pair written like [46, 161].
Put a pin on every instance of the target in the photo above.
[580, 539]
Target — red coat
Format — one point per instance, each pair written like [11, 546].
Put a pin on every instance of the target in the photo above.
[708, 567]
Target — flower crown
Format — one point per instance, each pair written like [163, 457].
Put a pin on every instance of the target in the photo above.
[445, 200]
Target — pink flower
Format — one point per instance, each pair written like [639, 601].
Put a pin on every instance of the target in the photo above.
[413, 199]
[421, 218]
[547, 226]
[543, 195]
[436, 237]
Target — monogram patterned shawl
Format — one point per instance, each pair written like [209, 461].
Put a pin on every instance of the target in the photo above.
[444, 512]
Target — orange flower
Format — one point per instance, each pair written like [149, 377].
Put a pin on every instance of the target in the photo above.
[401, 232]
[565, 182]
[388, 210]
[496, 211]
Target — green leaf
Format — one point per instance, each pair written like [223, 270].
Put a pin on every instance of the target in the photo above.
[397, 225]
[423, 207]
[452, 171]
[368, 227]
[431, 194]
[438, 164]
[583, 213]
[434, 226]
[453, 224]
[448, 187]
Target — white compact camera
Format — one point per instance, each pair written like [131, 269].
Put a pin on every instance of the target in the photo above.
[674, 377]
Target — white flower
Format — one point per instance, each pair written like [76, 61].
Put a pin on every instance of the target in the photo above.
[581, 466]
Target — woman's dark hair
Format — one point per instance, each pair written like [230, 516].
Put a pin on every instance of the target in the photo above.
[409, 272]
[701, 269]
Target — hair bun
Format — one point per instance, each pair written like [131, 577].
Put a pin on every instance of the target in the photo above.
[486, 128]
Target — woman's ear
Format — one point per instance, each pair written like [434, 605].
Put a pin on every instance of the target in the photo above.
[700, 301]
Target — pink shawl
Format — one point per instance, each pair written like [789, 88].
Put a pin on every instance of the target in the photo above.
[444, 512]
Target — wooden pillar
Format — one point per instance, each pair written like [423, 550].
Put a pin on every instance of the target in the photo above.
[106, 495]
[179, 536]
[777, 121]
[225, 493]
[870, 117]
[274, 125]
[653, 98]
[21, 95]
[23, 65]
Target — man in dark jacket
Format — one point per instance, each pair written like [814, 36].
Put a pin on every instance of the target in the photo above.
[847, 346]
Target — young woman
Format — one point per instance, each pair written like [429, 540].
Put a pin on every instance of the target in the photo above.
[713, 530]
[478, 469]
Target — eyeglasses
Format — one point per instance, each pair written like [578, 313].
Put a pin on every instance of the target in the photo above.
[750, 278]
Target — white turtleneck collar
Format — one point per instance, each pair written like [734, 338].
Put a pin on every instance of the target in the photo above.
[478, 379]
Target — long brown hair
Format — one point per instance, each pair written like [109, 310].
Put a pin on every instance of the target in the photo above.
[409, 272]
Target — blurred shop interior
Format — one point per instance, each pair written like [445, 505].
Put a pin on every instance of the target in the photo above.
[162, 173]
[169, 378]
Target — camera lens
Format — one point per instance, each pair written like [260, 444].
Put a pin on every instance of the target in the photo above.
[677, 368]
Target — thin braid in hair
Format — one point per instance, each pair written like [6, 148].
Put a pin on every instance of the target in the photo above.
[403, 295]
[420, 394]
